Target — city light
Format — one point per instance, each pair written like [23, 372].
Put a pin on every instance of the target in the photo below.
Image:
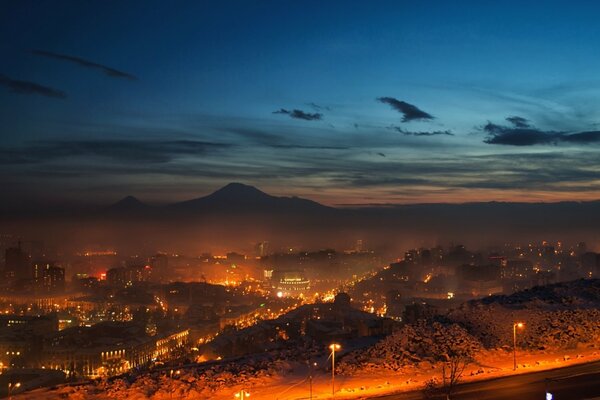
[333, 347]
[242, 394]
[516, 325]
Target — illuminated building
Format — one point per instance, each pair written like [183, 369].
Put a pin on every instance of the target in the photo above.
[21, 337]
[268, 273]
[48, 278]
[108, 349]
[290, 282]
[127, 276]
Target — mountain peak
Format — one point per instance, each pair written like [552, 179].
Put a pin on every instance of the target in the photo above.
[238, 197]
[236, 189]
[129, 201]
[127, 204]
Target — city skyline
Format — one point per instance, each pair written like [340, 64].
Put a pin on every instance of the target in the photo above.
[341, 103]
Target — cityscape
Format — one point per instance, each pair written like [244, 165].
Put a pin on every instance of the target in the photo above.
[279, 200]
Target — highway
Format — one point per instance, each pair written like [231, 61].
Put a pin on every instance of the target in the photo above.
[570, 383]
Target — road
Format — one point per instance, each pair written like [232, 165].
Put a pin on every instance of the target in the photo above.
[570, 383]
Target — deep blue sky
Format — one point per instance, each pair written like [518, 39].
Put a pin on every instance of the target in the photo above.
[395, 101]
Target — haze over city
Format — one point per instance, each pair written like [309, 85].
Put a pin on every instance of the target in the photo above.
[299, 200]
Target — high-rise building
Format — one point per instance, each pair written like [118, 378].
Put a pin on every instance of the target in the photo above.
[16, 263]
[48, 278]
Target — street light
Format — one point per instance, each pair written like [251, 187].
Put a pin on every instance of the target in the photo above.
[333, 347]
[310, 376]
[242, 394]
[11, 387]
[516, 325]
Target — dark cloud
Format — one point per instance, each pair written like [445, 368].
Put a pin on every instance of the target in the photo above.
[125, 151]
[514, 136]
[582, 137]
[108, 71]
[27, 87]
[518, 122]
[425, 133]
[505, 135]
[299, 114]
[409, 111]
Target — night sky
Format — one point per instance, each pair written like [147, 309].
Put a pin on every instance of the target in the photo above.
[341, 102]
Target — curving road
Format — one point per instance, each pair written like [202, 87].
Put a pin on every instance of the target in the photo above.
[578, 382]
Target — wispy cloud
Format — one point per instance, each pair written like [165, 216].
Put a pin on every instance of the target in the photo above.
[108, 71]
[422, 133]
[27, 87]
[518, 122]
[124, 151]
[318, 107]
[307, 147]
[410, 112]
[299, 114]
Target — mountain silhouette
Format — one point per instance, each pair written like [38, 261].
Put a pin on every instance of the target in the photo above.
[237, 214]
[128, 205]
[239, 198]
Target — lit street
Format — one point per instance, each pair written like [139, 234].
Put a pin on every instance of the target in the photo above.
[571, 383]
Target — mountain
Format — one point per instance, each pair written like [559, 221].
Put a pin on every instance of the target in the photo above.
[129, 205]
[238, 214]
[239, 198]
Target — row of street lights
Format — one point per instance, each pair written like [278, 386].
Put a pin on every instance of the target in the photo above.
[336, 347]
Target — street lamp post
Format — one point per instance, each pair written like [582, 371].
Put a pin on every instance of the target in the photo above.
[11, 387]
[310, 376]
[516, 325]
[333, 347]
[242, 394]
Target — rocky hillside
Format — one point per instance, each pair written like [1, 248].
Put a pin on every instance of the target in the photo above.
[558, 316]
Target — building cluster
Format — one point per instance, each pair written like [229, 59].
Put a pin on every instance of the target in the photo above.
[105, 349]
[98, 313]
[445, 277]
[30, 272]
[316, 323]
